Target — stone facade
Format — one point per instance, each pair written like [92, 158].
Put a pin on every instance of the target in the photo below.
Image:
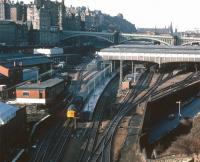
[46, 14]
[18, 12]
[4, 10]
[13, 34]
[48, 18]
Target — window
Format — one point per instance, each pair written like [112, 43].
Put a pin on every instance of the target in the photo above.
[25, 93]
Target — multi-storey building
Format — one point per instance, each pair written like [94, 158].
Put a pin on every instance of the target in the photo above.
[12, 33]
[48, 18]
[38, 12]
[18, 11]
[4, 9]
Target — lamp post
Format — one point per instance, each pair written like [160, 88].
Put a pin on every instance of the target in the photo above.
[179, 108]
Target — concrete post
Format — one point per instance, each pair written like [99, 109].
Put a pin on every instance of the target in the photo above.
[179, 108]
[104, 74]
[94, 86]
[114, 64]
[134, 76]
[132, 66]
[120, 72]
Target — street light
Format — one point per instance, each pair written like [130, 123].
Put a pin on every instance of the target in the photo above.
[179, 108]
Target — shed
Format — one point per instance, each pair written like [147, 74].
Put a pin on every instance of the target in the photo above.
[12, 130]
[7, 112]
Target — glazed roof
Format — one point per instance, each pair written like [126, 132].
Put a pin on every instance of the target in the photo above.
[7, 112]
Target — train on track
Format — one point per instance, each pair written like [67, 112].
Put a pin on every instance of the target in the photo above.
[75, 107]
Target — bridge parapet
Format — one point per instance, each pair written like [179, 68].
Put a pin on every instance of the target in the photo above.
[118, 38]
[102, 35]
[189, 41]
[167, 40]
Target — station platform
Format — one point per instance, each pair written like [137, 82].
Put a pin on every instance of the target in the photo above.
[95, 95]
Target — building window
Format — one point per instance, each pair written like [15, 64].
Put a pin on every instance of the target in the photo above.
[25, 93]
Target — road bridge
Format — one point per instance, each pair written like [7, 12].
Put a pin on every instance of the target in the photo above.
[111, 38]
[119, 38]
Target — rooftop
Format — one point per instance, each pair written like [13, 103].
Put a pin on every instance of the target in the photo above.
[5, 22]
[153, 49]
[7, 112]
[42, 85]
[8, 60]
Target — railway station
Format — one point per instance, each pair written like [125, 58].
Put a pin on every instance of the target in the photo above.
[75, 100]
[120, 89]
[80, 85]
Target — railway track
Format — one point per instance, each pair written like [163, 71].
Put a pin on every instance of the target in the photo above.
[102, 151]
[54, 152]
[97, 119]
[191, 78]
[51, 147]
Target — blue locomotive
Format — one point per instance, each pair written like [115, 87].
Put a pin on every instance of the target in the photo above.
[75, 107]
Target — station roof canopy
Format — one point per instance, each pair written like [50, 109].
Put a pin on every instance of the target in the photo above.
[42, 85]
[7, 112]
[162, 49]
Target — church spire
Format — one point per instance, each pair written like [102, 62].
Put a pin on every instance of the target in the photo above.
[171, 28]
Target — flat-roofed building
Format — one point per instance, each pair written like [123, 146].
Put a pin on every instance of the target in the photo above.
[26, 61]
[12, 130]
[41, 92]
[12, 72]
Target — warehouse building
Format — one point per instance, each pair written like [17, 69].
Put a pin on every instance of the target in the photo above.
[12, 72]
[26, 61]
[12, 130]
[41, 92]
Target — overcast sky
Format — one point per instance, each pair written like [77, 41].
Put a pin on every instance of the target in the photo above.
[184, 14]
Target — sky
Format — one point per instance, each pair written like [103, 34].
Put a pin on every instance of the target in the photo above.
[184, 14]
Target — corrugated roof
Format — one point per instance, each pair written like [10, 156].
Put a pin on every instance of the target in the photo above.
[24, 59]
[7, 112]
[42, 85]
[153, 49]
[33, 60]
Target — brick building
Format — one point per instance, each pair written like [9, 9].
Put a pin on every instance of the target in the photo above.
[41, 92]
[11, 71]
